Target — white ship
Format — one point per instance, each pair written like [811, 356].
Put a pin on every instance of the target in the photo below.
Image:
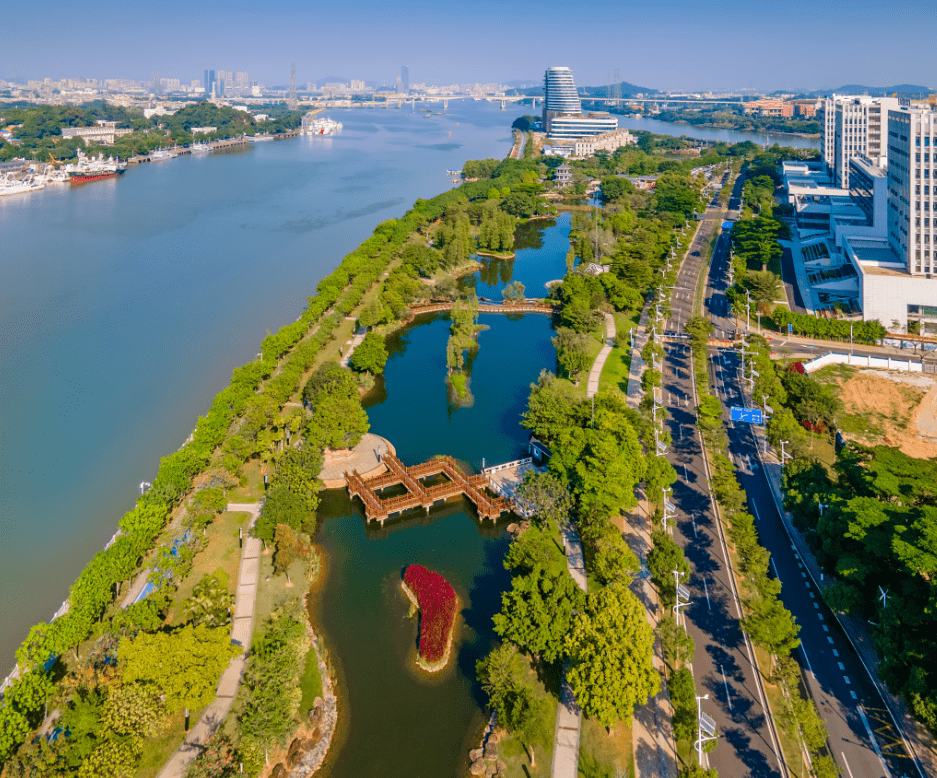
[94, 168]
[322, 127]
[11, 186]
[158, 155]
[200, 148]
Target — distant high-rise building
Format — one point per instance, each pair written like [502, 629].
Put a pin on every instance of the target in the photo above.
[562, 109]
[210, 86]
[405, 77]
[241, 80]
[225, 81]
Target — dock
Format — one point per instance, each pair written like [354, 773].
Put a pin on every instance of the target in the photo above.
[419, 496]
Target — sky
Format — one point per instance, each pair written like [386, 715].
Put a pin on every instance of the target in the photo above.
[662, 44]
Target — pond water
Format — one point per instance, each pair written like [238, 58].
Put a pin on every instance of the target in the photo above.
[540, 246]
[396, 720]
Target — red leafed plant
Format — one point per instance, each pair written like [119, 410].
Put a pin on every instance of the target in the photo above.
[437, 610]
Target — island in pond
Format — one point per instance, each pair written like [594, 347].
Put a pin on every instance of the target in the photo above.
[437, 601]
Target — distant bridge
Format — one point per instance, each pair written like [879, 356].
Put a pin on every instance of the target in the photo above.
[525, 307]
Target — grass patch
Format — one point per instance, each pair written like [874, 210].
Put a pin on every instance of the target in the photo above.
[311, 682]
[220, 552]
[253, 484]
[512, 752]
[458, 383]
[602, 755]
[273, 591]
[789, 745]
[158, 749]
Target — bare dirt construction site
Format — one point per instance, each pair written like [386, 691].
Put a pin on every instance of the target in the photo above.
[885, 407]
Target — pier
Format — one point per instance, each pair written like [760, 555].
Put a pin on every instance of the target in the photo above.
[420, 496]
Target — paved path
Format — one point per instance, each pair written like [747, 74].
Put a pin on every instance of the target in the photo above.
[241, 631]
[569, 714]
[355, 342]
[363, 458]
[592, 387]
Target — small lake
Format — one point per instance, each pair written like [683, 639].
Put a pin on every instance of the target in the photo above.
[396, 721]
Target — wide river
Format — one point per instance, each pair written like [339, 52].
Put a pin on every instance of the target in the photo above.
[125, 304]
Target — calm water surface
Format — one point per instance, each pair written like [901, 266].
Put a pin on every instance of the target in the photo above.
[397, 721]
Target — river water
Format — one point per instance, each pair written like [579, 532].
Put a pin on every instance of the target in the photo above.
[125, 304]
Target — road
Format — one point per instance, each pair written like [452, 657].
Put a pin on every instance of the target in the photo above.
[862, 737]
[723, 665]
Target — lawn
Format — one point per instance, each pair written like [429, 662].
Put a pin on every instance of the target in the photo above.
[253, 480]
[311, 683]
[605, 756]
[513, 753]
[159, 748]
[221, 552]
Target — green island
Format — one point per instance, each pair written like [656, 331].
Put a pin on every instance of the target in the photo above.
[153, 624]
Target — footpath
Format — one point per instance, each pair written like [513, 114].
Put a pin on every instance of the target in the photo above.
[242, 628]
[595, 374]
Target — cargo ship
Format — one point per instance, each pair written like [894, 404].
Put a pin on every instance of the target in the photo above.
[94, 169]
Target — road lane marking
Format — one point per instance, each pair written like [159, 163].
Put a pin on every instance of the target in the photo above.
[835, 652]
[841, 665]
[706, 589]
[853, 694]
[812, 595]
[878, 751]
[847, 765]
[806, 658]
[728, 698]
[848, 682]
[830, 639]
[816, 605]
[826, 629]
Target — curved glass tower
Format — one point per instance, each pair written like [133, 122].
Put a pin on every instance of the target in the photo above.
[559, 92]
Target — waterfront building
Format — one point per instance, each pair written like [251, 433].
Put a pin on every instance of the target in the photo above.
[563, 118]
[768, 107]
[202, 130]
[103, 133]
[851, 126]
[607, 141]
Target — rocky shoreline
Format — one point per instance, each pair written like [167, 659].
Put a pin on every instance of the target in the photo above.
[484, 759]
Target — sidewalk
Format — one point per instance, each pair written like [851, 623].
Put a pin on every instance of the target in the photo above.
[595, 374]
[569, 714]
[242, 629]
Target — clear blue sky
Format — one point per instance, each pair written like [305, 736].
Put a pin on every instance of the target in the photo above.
[665, 44]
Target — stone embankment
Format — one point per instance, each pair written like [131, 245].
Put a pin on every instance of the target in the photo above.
[484, 759]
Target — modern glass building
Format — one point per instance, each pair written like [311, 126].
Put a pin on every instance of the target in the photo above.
[562, 110]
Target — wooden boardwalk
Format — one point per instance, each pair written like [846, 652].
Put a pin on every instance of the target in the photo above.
[488, 308]
[420, 496]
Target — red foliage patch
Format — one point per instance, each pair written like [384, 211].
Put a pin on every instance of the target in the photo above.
[437, 610]
[797, 367]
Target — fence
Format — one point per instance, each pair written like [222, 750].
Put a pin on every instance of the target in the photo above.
[856, 360]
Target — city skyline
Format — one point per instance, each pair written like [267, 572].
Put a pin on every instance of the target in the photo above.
[674, 45]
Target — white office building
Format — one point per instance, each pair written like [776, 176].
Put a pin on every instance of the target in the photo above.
[851, 126]
[563, 118]
[607, 141]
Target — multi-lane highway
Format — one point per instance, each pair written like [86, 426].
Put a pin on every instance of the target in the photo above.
[862, 737]
[723, 663]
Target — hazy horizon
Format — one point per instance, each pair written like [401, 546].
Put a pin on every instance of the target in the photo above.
[677, 44]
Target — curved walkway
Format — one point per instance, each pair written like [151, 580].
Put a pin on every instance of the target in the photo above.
[242, 628]
[595, 374]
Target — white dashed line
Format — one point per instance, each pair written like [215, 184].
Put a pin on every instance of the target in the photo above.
[846, 678]
[835, 652]
[820, 616]
[854, 695]
[816, 605]
[841, 666]
[800, 565]
[829, 638]
[803, 573]
[826, 629]
[812, 595]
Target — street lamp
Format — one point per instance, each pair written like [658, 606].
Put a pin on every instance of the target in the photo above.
[784, 454]
[705, 727]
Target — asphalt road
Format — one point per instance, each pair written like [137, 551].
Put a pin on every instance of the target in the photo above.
[723, 664]
[862, 737]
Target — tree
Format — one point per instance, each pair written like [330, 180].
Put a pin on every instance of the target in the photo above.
[372, 314]
[612, 559]
[665, 557]
[572, 351]
[611, 646]
[546, 497]
[764, 286]
[184, 664]
[551, 408]
[513, 292]
[290, 547]
[772, 626]
[537, 611]
[339, 422]
[370, 355]
[527, 716]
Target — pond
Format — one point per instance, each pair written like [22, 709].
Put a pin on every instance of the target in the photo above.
[394, 719]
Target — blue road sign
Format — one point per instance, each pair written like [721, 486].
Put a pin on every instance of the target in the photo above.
[727, 225]
[749, 415]
[790, 328]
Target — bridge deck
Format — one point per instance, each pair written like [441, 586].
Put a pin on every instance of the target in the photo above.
[377, 509]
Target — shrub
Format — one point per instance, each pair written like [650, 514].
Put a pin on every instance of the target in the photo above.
[437, 605]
